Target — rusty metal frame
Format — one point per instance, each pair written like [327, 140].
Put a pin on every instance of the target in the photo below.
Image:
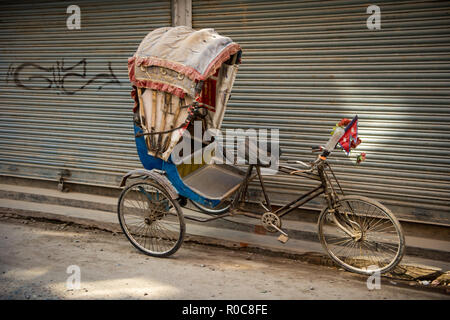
[236, 206]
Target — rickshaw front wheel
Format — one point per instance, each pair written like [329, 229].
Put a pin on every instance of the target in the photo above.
[362, 235]
[151, 219]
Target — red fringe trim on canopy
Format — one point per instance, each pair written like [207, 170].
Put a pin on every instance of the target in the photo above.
[151, 84]
[187, 71]
[190, 72]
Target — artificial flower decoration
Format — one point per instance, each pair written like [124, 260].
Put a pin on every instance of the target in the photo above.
[361, 158]
[344, 122]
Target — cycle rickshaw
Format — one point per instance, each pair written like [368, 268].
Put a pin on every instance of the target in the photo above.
[180, 76]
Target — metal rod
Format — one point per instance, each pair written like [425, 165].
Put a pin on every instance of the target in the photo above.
[323, 177]
[247, 214]
[296, 200]
[300, 201]
[243, 188]
[307, 175]
[261, 181]
[208, 219]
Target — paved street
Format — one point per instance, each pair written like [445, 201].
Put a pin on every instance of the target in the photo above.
[34, 257]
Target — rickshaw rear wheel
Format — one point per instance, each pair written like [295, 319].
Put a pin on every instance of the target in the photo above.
[151, 219]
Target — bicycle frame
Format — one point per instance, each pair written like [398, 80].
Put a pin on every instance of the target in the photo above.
[325, 187]
[300, 201]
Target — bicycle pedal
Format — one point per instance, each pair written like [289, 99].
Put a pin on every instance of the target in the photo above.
[283, 238]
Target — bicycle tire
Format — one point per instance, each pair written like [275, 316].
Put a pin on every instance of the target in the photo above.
[162, 206]
[361, 263]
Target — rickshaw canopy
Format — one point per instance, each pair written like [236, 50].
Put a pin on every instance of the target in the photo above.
[172, 68]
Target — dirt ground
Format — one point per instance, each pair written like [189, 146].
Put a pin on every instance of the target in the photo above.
[35, 256]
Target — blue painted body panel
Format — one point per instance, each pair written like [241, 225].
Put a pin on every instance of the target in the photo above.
[149, 162]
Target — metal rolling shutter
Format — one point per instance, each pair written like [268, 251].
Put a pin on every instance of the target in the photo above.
[53, 116]
[307, 64]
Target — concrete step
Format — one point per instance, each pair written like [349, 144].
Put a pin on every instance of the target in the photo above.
[101, 219]
[53, 196]
[101, 212]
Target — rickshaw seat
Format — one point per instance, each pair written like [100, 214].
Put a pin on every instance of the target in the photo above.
[215, 181]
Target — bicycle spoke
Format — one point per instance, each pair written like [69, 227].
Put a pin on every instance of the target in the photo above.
[150, 219]
[375, 238]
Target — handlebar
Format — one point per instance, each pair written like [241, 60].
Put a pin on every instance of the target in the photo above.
[326, 150]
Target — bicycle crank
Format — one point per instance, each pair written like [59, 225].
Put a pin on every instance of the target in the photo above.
[272, 223]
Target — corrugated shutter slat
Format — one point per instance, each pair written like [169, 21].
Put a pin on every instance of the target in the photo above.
[307, 64]
[51, 119]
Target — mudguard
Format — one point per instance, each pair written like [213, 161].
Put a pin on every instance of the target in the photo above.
[154, 174]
